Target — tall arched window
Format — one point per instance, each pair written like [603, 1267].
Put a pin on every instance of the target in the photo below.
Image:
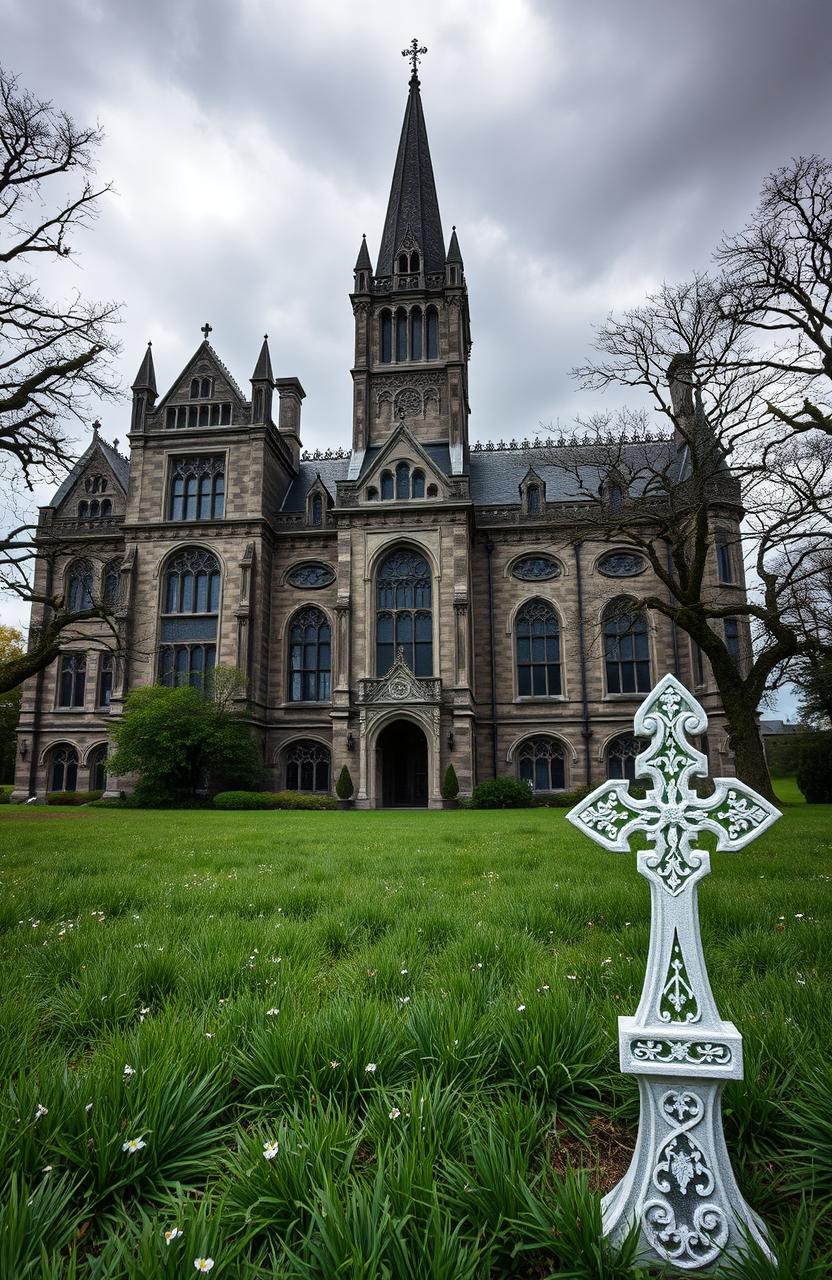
[414, 261]
[403, 263]
[533, 500]
[416, 333]
[403, 612]
[621, 756]
[316, 510]
[385, 337]
[112, 576]
[417, 488]
[72, 680]
[401, 334]
[105, 680]
[402, 480]
[626, 648]
[432, 321]
[83, 509]
[310, 656]
[541, 763]
[63, 769]
[538, 650]
[307, 767]
[79, 593]
[190, 616]
[98, 768]
[387, 484]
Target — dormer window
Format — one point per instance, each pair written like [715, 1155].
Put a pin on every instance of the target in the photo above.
[533, 500]
[316, 510]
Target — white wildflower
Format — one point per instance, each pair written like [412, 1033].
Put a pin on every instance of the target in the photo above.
[272, 1013]
[173, 1233]
[395, 1113]
[41, 1110]
[370, 1068]
[270, 1150]
[204, 1264]
[521, 1008]
[128, 1071]
[132, 1145]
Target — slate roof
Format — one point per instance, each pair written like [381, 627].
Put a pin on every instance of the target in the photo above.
[496, 474]
[413, 205]
[329, 469]
[120, 468]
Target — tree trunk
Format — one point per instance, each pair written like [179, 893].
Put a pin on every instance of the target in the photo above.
[749, 756]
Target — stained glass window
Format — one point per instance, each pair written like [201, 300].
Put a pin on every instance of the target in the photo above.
[310, 657]
[538, 650]
[404, 616]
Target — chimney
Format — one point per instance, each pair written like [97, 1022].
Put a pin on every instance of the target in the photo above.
[290, 394]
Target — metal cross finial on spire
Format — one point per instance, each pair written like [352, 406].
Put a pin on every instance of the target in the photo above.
[206, 329]
[414, 52]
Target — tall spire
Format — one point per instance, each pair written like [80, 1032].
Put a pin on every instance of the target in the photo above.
[413, 220]
[146, 377]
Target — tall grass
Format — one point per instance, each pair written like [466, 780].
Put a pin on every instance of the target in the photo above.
[386, 1047]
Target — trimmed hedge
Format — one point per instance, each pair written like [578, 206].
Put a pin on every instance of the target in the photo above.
[814, 772]
[343, 787]
[450, 784]
[271, 800]
[73, 797]
[502, 793]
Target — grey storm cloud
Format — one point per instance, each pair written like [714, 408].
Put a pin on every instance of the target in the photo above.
[584, 151]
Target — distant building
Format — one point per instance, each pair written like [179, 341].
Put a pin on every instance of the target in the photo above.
[408, 602]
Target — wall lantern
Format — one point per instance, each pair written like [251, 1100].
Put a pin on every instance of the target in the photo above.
[24, 749]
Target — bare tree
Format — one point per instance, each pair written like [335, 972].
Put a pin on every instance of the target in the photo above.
[54, 356]
[694, 361]
[777, 287]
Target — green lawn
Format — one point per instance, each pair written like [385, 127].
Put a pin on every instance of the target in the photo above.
[247, 967]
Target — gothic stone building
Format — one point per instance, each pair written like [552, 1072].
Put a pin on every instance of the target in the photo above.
[411, 602]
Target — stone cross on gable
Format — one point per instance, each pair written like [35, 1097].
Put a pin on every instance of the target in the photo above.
[680, 1187]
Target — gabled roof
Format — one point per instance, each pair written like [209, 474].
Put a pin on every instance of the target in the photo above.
[203, 349]
[119, 466]
[413, 207]
[328, 470]
[374, 459]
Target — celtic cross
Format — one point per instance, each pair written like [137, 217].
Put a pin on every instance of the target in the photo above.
[680, 1186]
[414, 52]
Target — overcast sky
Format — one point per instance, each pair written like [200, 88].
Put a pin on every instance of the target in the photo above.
[585, 151]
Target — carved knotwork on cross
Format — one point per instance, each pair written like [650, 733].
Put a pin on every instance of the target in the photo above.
[680, 1186]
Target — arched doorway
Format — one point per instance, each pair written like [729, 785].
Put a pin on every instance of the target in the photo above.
[402, 754]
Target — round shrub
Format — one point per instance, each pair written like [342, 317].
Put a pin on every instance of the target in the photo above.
[503, 793]
[814, 772]
[73, 797]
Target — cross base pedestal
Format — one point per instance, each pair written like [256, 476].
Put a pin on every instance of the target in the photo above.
[680, 1186]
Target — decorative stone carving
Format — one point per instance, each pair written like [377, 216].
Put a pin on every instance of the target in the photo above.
[680, 1187]
[535, 569]
[312, 575]
[400, 685]
[622, 564]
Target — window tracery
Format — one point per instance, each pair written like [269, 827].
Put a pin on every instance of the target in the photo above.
[538, 650]
[404, 618]
[541, 762]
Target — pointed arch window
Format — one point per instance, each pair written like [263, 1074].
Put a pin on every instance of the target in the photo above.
[621, 756]
[307, 767]
[385, 339]
[72, 681]
[403, 263]
[538, 651]
[402, 480]
[432, 326]
[414, 261]
[190, 618]
[105, 680]
[316, 510]
[404, 617]
[79, 591]
[98, 768]
[533, 500]
[416, 333]
[541, 762]
[310, 657]
[401, 334]
[626, 648]
[63, 769]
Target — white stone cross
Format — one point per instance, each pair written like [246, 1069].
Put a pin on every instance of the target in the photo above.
[680, 1186]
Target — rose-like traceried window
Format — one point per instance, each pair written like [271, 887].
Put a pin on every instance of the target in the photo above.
[312, 575]
[622, 564]
[535, 569]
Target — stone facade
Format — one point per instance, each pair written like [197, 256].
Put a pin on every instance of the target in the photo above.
[302, 564]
